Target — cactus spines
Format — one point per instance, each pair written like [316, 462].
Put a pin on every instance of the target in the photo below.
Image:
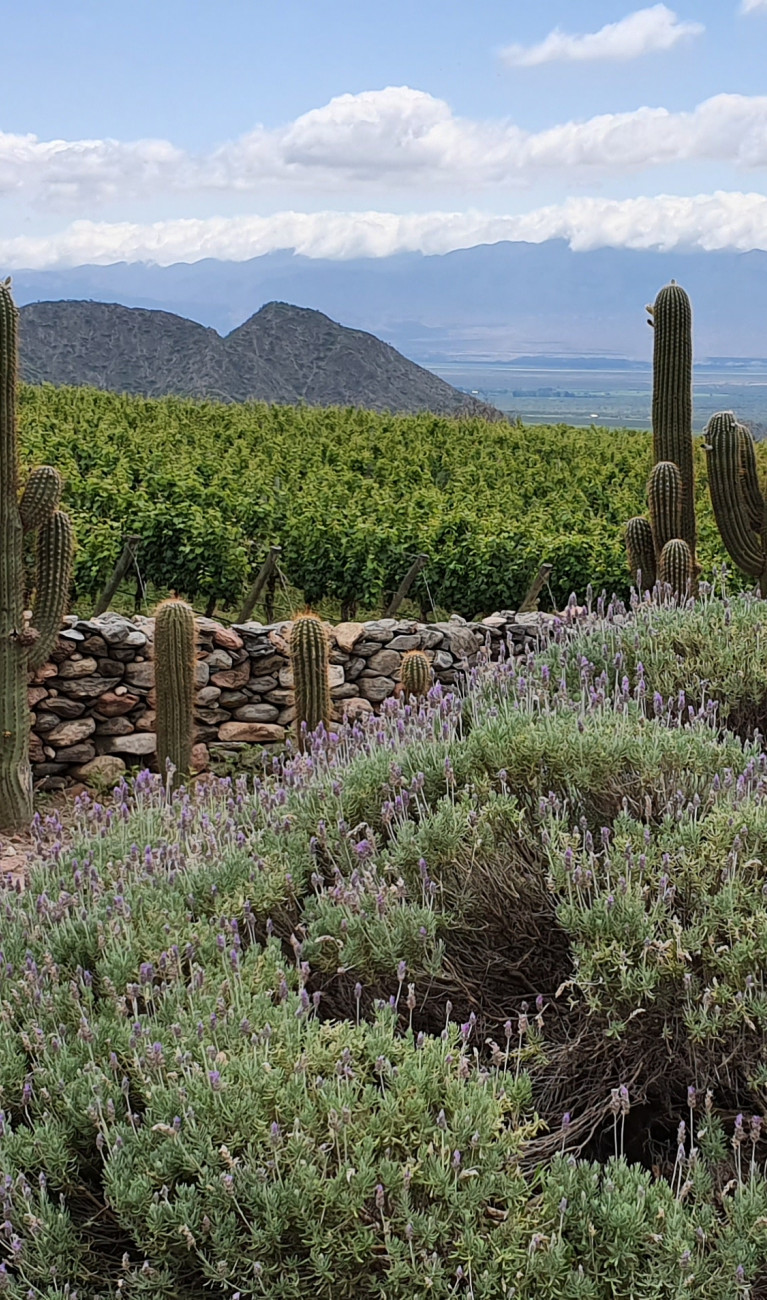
[672, 395]
[752, 493]
[174, 661]
[310, 657]
[55, 548]
[739, 506]
[415, 674]
[40, 497]
[664, 498]
[20, 646]
[675, 567]
[641, 551]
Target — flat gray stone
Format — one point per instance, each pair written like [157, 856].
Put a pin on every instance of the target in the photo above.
[257, 713]
[115, 727]
[119, 631]
[218, 659]
[64, 707]
[84, 688]
[385, 662]
[142, 742]
[78, 668]
[211, 717]
[141, 675]
[375, 689]
[105, 770]
[71, 732]
[82, 753]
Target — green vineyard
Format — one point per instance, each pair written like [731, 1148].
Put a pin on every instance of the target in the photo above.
[350, 496]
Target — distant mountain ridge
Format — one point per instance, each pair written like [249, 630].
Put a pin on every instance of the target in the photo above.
[281, 354]
[490, 302]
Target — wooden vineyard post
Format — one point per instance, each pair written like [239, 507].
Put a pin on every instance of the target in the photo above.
[530, 602]
[120, 571]
[418, 564]
[268, 567]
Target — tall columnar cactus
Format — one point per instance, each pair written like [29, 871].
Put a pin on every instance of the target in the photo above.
[310, 657]
[24, 648]
[415, 674]
[671, 486]
[672, 395]
[174, 660]
[739, 506]
[675, 567]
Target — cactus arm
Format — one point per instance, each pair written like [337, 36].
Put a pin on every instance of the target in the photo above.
[174, 660]
[55, 548]
[664, 499]
[309, 654]
[15, 774]
[749, 478]
[40, 497]
[725, 449]
[640, 551]
[672, 396]
[675, 567]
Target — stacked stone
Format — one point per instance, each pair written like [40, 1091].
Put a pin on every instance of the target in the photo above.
[92, 708]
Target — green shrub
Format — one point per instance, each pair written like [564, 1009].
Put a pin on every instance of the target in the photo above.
[470, 1001]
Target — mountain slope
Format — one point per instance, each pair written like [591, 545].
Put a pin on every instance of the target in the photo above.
[490, 302]
[281, 354]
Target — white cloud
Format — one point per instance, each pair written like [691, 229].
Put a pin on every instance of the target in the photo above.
[706, 221]
[751, 6]
[646, 31]
[396, 139]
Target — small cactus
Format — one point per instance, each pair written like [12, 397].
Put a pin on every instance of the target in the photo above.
[641, 551]
[675, 568]
[174, 659]
[664, 498]
[415, 674]
[310, 657]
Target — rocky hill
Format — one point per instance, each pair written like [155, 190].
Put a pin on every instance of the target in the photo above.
[281, 354]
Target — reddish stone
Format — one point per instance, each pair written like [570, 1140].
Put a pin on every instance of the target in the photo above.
[226, 639]
[252, 733]
[231, 678]
[113, 706]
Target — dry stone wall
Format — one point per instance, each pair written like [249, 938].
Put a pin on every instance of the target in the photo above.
[92, 708]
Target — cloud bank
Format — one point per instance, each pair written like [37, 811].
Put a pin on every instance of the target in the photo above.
[707, 221]
[751, 6]
[647, 31]
[393, 139]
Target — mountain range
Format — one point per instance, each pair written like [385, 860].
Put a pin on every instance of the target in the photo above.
[281, 354]
[488, 303]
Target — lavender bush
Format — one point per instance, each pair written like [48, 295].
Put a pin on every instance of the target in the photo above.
[465, 1000]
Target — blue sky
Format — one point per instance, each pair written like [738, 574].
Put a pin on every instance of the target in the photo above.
[170, 129]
